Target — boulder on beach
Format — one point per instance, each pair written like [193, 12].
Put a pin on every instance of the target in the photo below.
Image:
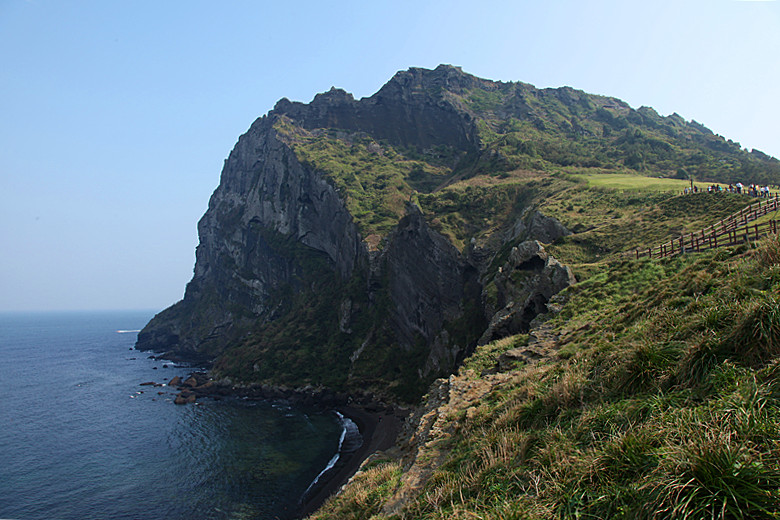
[176, 381]
[148, 383]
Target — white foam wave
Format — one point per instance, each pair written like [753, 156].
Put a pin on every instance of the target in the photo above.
[127, 331]
[347, 426]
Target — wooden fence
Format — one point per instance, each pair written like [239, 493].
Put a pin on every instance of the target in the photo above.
[732, 230]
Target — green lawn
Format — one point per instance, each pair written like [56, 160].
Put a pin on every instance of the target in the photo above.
[638, 183]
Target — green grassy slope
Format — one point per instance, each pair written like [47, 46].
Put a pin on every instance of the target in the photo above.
[662, 401]
[528, 128]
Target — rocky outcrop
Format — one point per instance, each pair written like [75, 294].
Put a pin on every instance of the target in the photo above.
[266, 203]
[431, 285]
[524, 284]
[407, 111]
[533, 225]
[277, 244]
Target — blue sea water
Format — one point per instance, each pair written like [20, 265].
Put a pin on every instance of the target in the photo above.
[81, 439]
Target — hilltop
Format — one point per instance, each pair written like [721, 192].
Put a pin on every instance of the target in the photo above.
[466, 248]
[344, 231]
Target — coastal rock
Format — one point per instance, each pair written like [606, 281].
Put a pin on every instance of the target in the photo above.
[204, 388]
[430, 284]
[525, 284]
[185, 398]
[175, 381]
[533, 225]
[279, 246]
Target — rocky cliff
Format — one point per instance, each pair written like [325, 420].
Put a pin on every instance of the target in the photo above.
[369, 244]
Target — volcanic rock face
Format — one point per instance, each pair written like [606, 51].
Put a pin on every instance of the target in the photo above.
[429, 281]
[273, 223]
[406, 111]
[264, 193]
[525, 284]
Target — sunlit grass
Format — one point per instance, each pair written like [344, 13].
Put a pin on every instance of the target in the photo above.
[666, 404]
[639, 183]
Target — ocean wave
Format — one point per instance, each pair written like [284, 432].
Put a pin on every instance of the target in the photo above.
[127, 331]
[349, 442]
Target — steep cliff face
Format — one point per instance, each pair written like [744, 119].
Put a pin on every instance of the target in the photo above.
[431, 286]
[242, 261]
[313, 268]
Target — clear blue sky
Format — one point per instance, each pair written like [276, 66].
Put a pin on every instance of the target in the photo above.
[116, 116]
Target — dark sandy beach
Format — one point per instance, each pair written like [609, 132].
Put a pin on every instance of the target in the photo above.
[379, 432]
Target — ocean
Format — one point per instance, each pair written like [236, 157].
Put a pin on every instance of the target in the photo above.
[80, 438]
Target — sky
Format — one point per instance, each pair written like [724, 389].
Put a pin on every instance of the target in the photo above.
[116, 117]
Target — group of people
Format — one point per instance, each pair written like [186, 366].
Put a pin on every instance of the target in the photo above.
[754, 190]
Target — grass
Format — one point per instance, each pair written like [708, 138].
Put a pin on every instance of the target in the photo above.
[486, 357]
[634, 182]
[365, 494]
[374, 180]
[288, 349]
[667, 404]
[664, 400]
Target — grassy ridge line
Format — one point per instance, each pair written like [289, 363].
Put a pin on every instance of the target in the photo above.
[753, 216]
[663, 402]
[538, 129]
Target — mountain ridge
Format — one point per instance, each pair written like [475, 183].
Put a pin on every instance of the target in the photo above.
[299, 263]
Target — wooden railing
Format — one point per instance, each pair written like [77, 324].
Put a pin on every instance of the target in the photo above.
[732, 230]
